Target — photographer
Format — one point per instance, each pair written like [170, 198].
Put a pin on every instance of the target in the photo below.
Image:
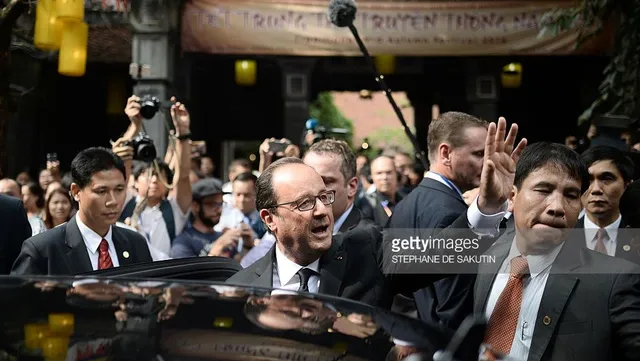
[161, 208]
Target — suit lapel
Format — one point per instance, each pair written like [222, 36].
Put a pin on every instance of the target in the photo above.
[487, 272]
[264, 269]
[352, 220]
[556, 293]
[332, 268]
[77, 256]
[122, 246]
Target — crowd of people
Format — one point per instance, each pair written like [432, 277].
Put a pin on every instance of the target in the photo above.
[314, 219]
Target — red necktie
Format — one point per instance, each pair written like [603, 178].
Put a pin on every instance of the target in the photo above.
[104, 260]
[504, 318]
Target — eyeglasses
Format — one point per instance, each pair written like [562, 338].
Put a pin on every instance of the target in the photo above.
[309, 203]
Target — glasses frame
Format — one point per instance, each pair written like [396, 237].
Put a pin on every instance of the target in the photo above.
[316, 198]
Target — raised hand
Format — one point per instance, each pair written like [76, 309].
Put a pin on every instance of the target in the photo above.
[499, 168]
[132, 110]
[181, 118]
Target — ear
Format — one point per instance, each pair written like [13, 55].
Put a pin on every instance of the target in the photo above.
[352, 187]
[512, 198]
[268, 219]
[444, 153]
[75, 190]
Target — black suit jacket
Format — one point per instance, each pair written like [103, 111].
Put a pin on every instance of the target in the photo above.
[590, 308]
[627, 241]
[14, 229]
[354, 219]
[352, 268]
[433, 205]
[61, 251]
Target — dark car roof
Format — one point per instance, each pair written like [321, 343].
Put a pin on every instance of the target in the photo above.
[138, 319]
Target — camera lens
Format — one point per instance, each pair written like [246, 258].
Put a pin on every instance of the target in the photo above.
[146, 152]
[148, 109]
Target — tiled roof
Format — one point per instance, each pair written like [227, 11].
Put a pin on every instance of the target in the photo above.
[109, 44]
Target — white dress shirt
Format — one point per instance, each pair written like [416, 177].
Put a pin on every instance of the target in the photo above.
[340, 221]
[92, 242]
[532, 291]
[284, 274]
[154, 229]
[590, 230]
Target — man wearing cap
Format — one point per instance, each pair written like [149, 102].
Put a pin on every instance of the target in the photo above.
[199, 233]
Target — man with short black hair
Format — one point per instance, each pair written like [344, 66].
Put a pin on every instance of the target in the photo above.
[610, 172]
[89, 241]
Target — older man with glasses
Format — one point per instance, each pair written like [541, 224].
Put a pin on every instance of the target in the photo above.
[296, 207]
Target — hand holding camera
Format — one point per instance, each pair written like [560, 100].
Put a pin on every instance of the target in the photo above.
[132, 110]
[181, 118]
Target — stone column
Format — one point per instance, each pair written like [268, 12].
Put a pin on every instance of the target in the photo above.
[296, 93]
[155, 25]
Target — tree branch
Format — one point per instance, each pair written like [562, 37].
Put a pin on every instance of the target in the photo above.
[8, 17]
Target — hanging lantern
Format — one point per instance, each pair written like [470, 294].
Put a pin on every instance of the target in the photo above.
[72, 60]
[246, 72]
[512, 75]
[386, 64]
[48, 29]
[70, 10]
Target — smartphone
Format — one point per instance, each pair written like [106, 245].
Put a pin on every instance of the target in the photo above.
[278, 146]
[52, 157]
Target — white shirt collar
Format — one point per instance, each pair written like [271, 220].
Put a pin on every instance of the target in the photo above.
[91, 238]
[591, 228]
[537, 263]
[287, 268]
[340, 221]
[440, 178]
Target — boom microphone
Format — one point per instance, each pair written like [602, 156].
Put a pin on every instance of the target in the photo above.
[342, 13]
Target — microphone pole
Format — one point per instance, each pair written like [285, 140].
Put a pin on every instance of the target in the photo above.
[380, 80]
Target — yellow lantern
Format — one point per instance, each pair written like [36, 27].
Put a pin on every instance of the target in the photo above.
[72, 60]
[70, 10]
[48, 29]
[55, 348]
[246, 71]
[512, 75]
[386, 64]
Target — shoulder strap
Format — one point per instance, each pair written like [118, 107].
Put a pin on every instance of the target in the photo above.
[128, 209]
[167, 215]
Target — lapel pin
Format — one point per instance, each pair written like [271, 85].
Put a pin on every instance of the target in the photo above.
[125, 254]
[339, 258]
[546, 320]
[626, 247]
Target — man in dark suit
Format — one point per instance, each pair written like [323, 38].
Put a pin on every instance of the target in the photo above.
[89, 241]
[336, 163]
[547, 296]
[380, 205]
[601, 228]
[456, 145]
[14, 229]
[295, 205]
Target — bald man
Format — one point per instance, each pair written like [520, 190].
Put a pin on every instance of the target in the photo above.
[378, 206]
[10, 187]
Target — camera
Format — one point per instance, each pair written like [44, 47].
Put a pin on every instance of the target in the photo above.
[149, 106]
[143, 148]
[315, 132]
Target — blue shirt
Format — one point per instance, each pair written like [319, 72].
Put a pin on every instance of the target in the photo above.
[191, 241]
